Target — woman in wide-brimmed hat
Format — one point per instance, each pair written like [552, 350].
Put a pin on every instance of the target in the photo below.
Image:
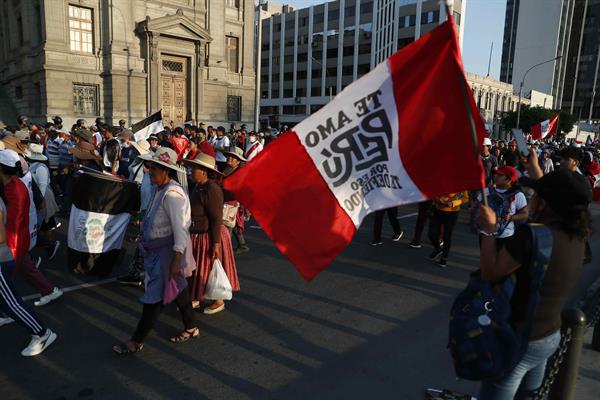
[166, 248]
[210, 238]
[235, 160]
[86, 155]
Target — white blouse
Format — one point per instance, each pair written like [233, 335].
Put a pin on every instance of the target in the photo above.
[173, 217]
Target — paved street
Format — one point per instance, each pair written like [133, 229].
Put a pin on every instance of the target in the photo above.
[373, 325]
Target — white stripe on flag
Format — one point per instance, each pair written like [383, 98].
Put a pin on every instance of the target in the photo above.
[153, 128]
[96, 233]
[354, 145]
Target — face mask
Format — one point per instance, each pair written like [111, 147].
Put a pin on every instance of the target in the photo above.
[252, 139]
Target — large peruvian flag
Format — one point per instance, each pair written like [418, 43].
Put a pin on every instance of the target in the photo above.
[398, 135]
[545, 128]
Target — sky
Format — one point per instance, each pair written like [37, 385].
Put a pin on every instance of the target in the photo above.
[484, 24]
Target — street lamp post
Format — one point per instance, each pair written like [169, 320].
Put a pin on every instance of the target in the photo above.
[326, 75]
[521, 87]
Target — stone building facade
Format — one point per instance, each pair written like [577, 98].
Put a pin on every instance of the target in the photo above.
[125, 59]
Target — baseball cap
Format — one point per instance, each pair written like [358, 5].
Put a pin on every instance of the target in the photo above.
[562, 189]
[509, 172]
[9, 158]
[487, 142]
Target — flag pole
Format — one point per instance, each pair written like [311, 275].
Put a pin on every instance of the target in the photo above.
[464, 91]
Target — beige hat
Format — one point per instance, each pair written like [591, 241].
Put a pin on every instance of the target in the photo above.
[205, 161]
[142, 146]
[85, 151]
[13, 143]
[237, 153]
[165, 157]
[35, 152]
[23, 135]
[2, 126]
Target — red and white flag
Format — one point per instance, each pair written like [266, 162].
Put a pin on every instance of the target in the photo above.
[398, 135]
[545, 128]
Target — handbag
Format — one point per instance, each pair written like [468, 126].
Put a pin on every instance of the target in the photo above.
[230, 212]
[218, 286]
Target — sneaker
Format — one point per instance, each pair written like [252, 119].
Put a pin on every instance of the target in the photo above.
[53, 295]
[55, 227]
[376, 243]
[38, 262]
[443, 263]
[415, 245]
[242, 249]
[397, 236]
[54, 250]
[130, 280]
[6, 321]
[435, 255]
[39, 344]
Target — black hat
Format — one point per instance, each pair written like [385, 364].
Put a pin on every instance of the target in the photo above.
[153, 137]
[562, 189]
[572, 152]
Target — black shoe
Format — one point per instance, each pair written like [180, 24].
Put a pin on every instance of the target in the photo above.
[443, 263]
[435, 255]
[397, 236]
[415, 245]
[242, 250]
[376, 243]
[130, 280]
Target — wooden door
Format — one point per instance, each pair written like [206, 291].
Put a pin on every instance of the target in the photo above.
[174, 90]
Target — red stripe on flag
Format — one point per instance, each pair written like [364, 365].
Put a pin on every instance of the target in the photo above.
[294, 206]
[553, 127]
[436, 145]
[536, 131]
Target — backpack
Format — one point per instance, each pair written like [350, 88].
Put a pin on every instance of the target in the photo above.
[482, 342]
[500, 203]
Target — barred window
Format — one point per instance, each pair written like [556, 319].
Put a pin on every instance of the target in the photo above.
[232, 53]
[81, 29]
[234, 108]
[85, 99]
[232, 3]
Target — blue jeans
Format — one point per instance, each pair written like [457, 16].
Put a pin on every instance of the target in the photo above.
[527, 376]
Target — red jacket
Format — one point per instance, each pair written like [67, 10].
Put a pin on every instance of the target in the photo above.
[16, 198]
[180, 144]
[207, 148]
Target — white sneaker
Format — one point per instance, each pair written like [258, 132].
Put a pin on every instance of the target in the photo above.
[55, 294]
[6, 321]
[39, 344]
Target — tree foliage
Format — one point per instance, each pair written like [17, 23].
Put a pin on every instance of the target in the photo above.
[533, 115]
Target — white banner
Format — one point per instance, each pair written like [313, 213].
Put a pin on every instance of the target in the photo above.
[96, 233]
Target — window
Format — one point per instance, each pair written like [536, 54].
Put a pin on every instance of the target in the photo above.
[406, 21]
[301, 75]
[302, 57]
[232, 3]
[19, 31]
[288, 93]
[332, 15]
[315, 91]
[234, 108]
[37, 31]
[427, 18]
[289, 59]
[231, 45]
[318, 18]
[332, 53]
[288, 76]
[366, 8]
[349, 12]
[456, 17]
[289, 110]
[300, 92]
[85, 99]
[315, 107]
[81, 29]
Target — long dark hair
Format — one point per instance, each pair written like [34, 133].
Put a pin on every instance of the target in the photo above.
[17, 170]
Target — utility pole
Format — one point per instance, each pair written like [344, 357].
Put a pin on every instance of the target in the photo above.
[521, 87]
[594, 86]
[490, 60]
[258, 70]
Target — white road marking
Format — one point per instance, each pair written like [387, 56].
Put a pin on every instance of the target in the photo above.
[76, 287]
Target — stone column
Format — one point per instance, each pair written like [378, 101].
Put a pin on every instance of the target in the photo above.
[198, 76]
[153, 70]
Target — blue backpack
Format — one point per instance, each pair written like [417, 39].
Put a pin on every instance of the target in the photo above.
[482, 342]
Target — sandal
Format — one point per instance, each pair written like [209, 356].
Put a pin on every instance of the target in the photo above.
[124, 348]
[186, 335]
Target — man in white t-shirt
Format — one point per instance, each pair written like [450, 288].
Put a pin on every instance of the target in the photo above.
[221, 144]
[508, 202]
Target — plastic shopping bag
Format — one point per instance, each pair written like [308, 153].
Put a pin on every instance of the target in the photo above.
[218, 286]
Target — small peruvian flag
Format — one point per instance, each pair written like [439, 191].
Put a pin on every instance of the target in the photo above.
[545, 128]
[399, 135]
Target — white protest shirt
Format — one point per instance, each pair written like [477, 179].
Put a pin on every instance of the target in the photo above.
[223, 143]
[253, 149]
[518, 203]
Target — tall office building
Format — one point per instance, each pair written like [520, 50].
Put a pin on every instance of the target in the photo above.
[539, 30]
[311, 54]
